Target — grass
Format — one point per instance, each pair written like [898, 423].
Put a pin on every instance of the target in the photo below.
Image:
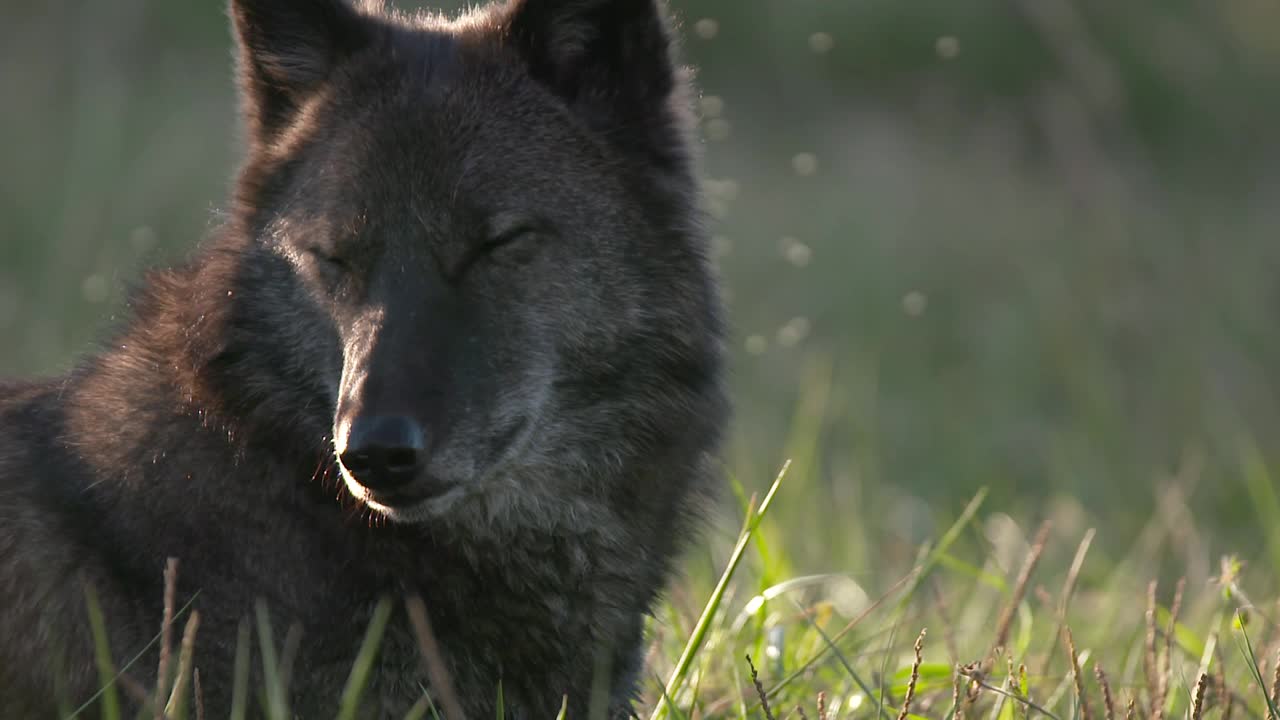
[968, 629]
[1013, 648]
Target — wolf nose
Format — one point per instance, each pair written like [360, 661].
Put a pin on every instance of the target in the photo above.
[383, 452]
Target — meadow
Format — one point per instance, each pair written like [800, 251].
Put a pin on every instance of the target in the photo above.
[1002, 284]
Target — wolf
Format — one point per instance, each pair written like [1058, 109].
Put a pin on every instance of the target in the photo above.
[458, 337]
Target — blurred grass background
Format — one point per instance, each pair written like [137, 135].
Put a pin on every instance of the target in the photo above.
[1022, 244]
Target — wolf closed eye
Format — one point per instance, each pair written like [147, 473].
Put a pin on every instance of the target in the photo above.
[329, 260]
[511, 246]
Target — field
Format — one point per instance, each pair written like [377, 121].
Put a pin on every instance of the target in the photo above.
[1003, 284]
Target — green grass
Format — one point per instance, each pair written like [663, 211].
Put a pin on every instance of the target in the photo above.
[997, 599]
[994, 626]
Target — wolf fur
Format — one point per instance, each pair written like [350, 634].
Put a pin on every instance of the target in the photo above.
[490, 224]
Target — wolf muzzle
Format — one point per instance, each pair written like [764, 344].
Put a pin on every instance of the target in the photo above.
[384, 452]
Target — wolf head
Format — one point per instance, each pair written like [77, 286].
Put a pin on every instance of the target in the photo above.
[476, 246]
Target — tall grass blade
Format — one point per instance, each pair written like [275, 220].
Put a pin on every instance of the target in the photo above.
[678, 675]
[125, 668]
[1251, 660]
[110, 705]
[363, 666]
[276, 706]
[240, 673]
[176, 709]
[936, 553]
[419, 709]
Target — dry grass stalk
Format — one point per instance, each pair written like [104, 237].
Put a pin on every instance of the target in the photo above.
[1165, 666]
[1073, 575]
[166, 636]
[1174, 609]
[915, 677]
[1131, 709]
[1197, 705]
[185, 658]
[1275, 689]
[437, 671]
[1068, 591]
[1262, 671]
[1019, 591]
[822, 705]
[970, 676]
[1108, 705]
[800, 712]
[1225, 696]
[199, 692]
[978, 679]
[764, 697]
[1149, 655]
[1076, 677]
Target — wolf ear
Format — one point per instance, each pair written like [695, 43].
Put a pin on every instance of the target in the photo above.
[611, 61]
[287, 48]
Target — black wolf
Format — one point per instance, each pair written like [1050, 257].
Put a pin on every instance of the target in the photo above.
[458, 338]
